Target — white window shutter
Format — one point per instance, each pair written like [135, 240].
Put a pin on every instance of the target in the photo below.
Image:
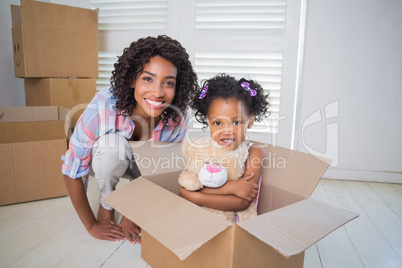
[265, 68]
[131, 14]
[124, 21]
[256, 39]
[240, 14]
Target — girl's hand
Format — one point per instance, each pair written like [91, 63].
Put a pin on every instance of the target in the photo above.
[106, 230]
[244, 188]
[132, 231]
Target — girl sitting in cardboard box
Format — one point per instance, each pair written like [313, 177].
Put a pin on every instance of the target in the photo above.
[217, 162]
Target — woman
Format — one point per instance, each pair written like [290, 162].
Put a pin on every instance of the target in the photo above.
[152, 85]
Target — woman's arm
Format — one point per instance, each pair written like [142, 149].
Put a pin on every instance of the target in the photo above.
[104, 229]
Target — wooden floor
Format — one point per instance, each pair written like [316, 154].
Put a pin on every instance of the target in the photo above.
[48, 233]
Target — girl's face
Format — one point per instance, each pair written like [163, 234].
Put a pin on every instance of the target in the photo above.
[228, 121]
[154, 87]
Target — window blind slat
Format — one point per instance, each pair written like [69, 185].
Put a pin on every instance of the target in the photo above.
[131, 15]
[255, 18]
[213, 3]
[106, 62]
[221, 14]
[265, 67]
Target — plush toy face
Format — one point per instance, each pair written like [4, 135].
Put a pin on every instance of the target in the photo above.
[213, 175]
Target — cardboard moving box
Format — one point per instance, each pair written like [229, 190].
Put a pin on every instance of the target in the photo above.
[32, 140]
[52, 40]
[73, 93]
[178, 233]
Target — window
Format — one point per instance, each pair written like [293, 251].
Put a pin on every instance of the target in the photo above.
[123, 21]
[240, 15]
[258, 39]
[132, 15]
[264, 67]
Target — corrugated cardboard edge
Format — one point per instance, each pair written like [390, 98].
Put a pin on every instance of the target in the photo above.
[294, 228]
[63, 112]
[166, 216]
[32, 114]
[28, 114]
[15, 15]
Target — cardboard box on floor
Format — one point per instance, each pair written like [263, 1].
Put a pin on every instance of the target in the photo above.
[178, 233]
[73, 93]
[52, 40]
[32, 139]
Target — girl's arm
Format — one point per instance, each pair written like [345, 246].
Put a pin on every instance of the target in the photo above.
[254, 163]
[242, 188]
[247, 186]
[221, 202]
[227, 197]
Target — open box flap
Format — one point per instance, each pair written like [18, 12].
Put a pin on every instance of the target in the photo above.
[288, 176]
[294, 228]
[156, 157]
[179, 225]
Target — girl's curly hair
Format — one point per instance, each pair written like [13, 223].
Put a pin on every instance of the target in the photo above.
[132, 62]
[223, 86]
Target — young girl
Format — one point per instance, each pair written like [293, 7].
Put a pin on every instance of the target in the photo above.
[229, 107]
[152, 85]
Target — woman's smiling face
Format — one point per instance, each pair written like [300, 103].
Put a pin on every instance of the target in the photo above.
[154, 87]
[228, 121]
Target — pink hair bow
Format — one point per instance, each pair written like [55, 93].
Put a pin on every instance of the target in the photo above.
[246, 86]
[203, 92]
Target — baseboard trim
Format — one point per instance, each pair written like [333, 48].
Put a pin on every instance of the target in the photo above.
[356, 175]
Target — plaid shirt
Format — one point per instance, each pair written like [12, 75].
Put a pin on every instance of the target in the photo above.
[100, 118]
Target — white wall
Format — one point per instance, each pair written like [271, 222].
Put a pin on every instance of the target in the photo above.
[353, 60]
[352, 66]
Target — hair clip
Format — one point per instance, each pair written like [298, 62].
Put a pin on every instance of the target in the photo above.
[246, 86]
[203, 92]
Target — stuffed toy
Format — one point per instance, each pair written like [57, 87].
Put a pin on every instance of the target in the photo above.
[213, 175]
[208, 164]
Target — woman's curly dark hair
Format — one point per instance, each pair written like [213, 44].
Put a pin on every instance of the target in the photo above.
[223, 86]
[132, 62]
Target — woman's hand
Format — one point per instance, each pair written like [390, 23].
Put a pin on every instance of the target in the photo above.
[244, 188]
[106, 230]
[132, 231]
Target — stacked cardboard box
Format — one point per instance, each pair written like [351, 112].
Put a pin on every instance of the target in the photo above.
[52, 40]
[32, 139]
[55, 50]
[71, 93]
